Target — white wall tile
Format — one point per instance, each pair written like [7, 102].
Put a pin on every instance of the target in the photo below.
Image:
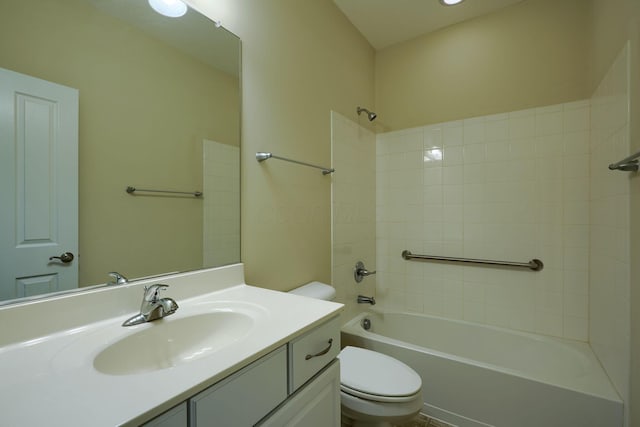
[432, 176]
[576, 119]
[498, 151]
[549, 122]
[354, 225]
[474, 131]
[496, 129]
[453, 175]
[609, 287]
[511, 186]
[452, 135]
[452, 155]
[521, 126]
[474, 153]
[221, 225]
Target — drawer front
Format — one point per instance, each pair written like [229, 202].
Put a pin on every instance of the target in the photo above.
[312, 352]
[174, 417]
[245, 397]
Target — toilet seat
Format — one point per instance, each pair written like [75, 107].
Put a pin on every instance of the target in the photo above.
[375, 397]
[377, 377]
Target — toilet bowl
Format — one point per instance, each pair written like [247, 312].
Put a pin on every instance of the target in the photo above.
[376, 390]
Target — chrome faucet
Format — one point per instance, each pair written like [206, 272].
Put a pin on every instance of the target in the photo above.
[152, 307]
[118, 279]
[366, 300]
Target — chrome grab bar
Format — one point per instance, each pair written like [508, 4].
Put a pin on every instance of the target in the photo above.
[262, 156]
[132, 190]
[323, 352]
[628, 164]
[534, 264]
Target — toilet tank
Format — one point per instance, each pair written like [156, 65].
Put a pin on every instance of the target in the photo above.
[316, 290]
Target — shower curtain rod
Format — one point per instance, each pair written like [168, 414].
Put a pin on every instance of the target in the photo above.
[262, 156]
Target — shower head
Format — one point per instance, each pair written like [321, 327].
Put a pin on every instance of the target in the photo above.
[370, 114]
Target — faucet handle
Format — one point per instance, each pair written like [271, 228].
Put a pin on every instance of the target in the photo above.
[360, 272]
[151, 292]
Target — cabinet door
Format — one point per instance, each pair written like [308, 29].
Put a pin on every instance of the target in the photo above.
[245, 397]
[174, 417]
[317, 404]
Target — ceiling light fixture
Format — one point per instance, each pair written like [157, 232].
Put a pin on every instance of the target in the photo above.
[450, 2]
[170, 8]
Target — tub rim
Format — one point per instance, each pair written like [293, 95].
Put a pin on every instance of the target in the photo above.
[354, 327]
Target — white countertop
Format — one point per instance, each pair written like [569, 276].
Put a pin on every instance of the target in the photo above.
[50, 380]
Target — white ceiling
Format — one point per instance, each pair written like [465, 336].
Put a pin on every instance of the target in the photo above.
[386, 22]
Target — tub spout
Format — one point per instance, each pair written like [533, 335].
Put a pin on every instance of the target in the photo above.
[366, 300]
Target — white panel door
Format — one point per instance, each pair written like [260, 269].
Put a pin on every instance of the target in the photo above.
[38, 186]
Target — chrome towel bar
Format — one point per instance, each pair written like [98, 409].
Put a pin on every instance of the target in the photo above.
[628, 164]
[262, 156]
[132, 190]
[534, 264]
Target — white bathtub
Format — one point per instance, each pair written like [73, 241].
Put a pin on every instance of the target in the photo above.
[475, 375]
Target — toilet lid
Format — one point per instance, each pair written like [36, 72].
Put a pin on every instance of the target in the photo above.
[367, 373]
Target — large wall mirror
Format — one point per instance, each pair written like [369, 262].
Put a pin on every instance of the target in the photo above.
[157, 107]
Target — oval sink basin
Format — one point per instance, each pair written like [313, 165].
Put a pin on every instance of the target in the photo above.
[168, 342]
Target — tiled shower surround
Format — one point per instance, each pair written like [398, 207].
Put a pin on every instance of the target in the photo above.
[353, 209]
[610, 259]
[221, 186]
[512, 187]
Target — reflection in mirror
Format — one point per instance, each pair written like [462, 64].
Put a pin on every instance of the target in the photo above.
[140, 100]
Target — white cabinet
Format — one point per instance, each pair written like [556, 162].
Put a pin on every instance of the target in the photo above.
[317, 404]
[313, 351]
[297, 384]
[245, 397]
[174, 417]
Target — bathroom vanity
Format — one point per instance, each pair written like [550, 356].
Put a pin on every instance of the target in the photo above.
[285, 387]
[232, 354]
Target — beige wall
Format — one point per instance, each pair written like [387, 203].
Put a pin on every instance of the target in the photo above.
[300, 60]
[532, 54]
[117, 231]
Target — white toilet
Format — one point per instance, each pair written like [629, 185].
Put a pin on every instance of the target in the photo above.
[375, 389]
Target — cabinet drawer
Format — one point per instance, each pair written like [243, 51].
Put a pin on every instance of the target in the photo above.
[245, 397]
[312, 352]
[174, 417]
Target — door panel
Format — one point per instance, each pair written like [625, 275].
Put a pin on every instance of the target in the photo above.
[30, 286]
[35, 189]
[38, 185]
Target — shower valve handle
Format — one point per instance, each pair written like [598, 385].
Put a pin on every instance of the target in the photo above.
[360, 272]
